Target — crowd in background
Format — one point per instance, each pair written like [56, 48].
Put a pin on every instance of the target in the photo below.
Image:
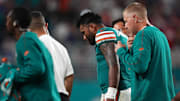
[62, 15]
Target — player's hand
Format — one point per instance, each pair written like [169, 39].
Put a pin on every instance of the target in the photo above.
[130, 41]
[110, 95]
[119, 45]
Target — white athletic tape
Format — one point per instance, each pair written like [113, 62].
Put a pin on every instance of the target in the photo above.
[111, 93]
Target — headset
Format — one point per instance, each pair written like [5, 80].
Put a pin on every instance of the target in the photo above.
[15, 23]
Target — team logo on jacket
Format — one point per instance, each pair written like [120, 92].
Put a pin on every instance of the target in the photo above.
[140, 49]
[26, 53]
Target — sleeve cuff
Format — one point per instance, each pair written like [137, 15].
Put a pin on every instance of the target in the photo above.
[121, 51]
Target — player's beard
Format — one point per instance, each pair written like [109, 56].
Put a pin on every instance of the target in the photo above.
[10, 30]
[91, 39]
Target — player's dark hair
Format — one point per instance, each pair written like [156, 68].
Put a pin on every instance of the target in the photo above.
[116, 21]
[21, 17]
[89, 17]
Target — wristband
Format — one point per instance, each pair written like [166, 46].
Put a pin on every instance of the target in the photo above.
[111, 93]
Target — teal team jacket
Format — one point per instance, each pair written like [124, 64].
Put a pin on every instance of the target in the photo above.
[150, 60]
[35, 78]
[7, 91]
[105, 35]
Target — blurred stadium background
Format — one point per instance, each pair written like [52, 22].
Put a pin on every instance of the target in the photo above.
[62, 15]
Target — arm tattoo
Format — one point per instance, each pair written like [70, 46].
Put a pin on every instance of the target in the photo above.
[107, 50]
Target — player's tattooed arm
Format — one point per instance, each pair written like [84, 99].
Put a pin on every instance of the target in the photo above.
[107, 50]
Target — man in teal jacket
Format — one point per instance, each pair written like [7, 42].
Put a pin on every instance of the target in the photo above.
[149, 57]
[34, 76]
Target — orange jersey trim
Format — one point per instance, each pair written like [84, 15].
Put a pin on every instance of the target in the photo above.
[105, 39]
[103, 34]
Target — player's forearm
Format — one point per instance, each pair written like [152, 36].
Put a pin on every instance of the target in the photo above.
[110, 56]
[110, 95]
[113, 76]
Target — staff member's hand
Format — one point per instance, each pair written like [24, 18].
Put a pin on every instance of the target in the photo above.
[119, 45]
[130, 41]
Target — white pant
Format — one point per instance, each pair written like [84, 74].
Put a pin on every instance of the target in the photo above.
[124, 95]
